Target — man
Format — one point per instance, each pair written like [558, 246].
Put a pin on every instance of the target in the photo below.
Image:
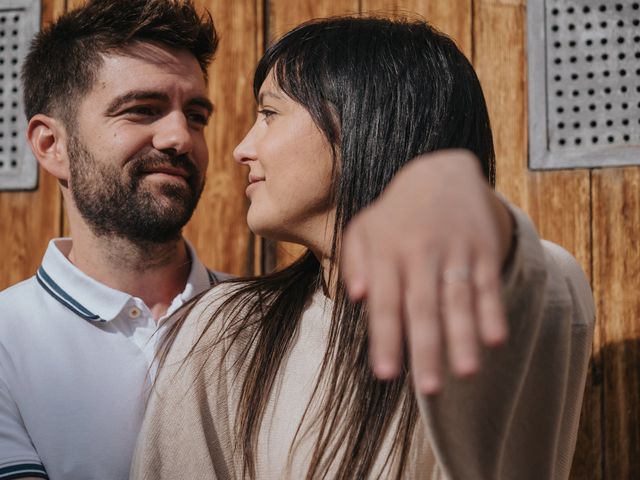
[117, 102]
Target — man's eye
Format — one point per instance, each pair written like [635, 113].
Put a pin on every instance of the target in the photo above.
[198, 118]
[142, 110]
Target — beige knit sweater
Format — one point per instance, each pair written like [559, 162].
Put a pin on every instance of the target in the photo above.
[517, 419]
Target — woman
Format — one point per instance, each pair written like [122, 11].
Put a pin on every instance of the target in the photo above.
[269, 377]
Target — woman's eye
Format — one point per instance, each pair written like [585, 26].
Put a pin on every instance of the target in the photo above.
[266, 113]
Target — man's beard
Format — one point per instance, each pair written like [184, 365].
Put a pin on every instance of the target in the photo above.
[113, 201]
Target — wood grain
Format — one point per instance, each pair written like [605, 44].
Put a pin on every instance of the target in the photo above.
[558, 202]
[218, 229]
[453, 17]
[616, 281]
[284, 15]
[71, 4]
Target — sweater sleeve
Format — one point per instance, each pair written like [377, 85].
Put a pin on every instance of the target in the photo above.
[518, 417]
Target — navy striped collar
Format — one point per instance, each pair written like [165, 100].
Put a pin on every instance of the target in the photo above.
[63, 297]
[94, 301]
[20, 470]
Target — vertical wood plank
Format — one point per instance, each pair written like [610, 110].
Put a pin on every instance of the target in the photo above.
[283, 15]
[52, 9]
[29, 219]
[616, 280]
[453, 17]
[558, 202]
[218, 229]
[71, 4]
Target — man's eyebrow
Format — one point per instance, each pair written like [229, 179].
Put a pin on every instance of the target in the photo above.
[128, 97]
[135, 95]
[268, 93]
[203, 102]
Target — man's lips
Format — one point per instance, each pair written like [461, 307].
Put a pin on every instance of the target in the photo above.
[167, 170]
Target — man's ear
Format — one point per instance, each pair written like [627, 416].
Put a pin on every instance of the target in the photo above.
[48, 139]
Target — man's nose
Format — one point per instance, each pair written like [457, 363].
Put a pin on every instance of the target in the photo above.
[173, 133]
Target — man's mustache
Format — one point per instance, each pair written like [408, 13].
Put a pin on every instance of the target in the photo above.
[142, 164]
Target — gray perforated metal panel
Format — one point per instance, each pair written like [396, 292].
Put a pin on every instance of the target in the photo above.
[584, 83]
[19, 21]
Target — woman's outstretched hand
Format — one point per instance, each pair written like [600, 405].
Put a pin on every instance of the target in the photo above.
[427, 257]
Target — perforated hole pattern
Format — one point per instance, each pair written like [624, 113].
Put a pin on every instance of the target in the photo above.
[593, 74]
[11, 142]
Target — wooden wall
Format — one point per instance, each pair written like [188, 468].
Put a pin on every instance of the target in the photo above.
[594, 214]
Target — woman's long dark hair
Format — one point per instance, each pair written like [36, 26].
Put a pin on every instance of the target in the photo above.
[382, 92]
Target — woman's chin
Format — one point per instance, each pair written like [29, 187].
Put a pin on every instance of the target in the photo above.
[265, 230]
[273, 232]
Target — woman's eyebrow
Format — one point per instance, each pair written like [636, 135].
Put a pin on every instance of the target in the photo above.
[268, 93]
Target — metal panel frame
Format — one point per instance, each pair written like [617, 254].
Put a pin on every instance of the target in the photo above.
[541, 155]
[26, 176]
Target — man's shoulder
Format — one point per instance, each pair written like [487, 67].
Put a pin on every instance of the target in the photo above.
[19, 294]
[19, 302]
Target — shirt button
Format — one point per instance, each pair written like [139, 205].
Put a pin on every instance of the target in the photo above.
[134, 312]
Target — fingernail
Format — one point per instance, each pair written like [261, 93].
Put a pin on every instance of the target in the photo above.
[467, 367]
[356, 289]
[500, 335]
[429, 384]
[385, 370]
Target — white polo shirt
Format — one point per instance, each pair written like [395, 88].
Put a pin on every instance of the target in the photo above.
[74, 360]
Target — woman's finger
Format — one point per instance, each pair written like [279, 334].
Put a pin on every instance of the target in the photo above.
[385, 316]
[458, 314]
[422, 323]
[354, 260]
[492, 322]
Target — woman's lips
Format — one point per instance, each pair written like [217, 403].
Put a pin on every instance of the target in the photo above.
[255, 178]
[253, 181]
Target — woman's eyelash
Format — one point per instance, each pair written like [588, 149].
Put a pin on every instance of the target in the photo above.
[266, 112]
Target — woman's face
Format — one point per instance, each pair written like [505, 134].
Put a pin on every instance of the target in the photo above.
[290, 172]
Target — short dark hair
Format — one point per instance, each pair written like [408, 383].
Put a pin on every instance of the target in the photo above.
[65, 57]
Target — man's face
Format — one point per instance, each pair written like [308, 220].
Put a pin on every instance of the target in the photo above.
[137, 150]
